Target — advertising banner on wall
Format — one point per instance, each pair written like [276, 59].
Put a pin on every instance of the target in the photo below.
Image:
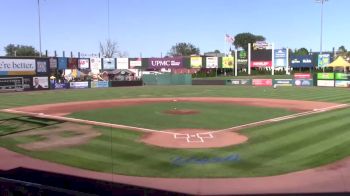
[108, 63]
[135, 63]
[212, 62]
[342, 76]
[242, 59]
[79, 84]
[327, 83]
[262, 82]
[301, 61]
[325, 76]
[239, 82]
[323, 60]
[84, 63]
[53, 63]
[62, 63]
[176, 62]
[196, 62]
[95, 65]
[342, 83]
[303, 82]
[99, 84]
[61, 85]
[122, 63]
[72, 63]
[17, 66]
[41, 66]
[302, 76]
[40, 83]
[281, 58]
[283, 82]
[228, 62]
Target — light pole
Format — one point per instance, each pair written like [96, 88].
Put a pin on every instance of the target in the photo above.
[322, 2]
[39, 28]
[109, 30]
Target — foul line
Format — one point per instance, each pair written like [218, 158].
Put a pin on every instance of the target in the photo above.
[315, 111]
[90, 122]
[68, 119]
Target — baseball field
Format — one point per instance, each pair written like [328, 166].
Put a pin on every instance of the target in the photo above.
[180, 131]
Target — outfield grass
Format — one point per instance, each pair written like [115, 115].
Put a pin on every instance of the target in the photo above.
[209, 116]
[272, 149]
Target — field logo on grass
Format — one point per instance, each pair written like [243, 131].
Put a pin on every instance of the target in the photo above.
[197, 160]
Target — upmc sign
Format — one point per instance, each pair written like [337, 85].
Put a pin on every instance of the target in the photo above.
[165, 62]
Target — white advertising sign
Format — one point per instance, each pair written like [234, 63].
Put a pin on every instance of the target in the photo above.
[122, 63]
[212, 62]
[18, 65]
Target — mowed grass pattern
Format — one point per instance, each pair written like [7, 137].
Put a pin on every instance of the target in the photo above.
[209, 116]
[272, 149]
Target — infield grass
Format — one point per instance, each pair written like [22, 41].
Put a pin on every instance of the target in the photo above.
[209, 116]
[272, 149]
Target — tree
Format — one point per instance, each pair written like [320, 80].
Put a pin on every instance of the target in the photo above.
[242, 40]
[343, 52]
[110, 49]
[217, 51]
[342, 49]
[184, 49]
[20, 50]
[301, 52]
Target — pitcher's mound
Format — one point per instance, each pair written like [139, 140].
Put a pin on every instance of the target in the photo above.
[181, 112]
[193, 138]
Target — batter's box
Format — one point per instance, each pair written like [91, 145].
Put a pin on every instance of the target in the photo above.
[205, 135]
[194, 138]
[181, 136]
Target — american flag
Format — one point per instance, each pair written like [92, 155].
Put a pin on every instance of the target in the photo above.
[229, 38]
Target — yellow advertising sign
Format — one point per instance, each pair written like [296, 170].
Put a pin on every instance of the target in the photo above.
[196, 62]
[227, 62]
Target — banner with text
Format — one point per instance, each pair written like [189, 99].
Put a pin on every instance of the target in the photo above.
[196, 62]
[281, 58]
[227, 62]
[242, 59]
[84, 63]
[135, 63]
[108, 63]
[323, 60]
[62, 63]
[301, 61]
[325, 76]
[262, 82]
[122, 63]
[95, 65]
[176, 62]
[17, 66]
[212, 62]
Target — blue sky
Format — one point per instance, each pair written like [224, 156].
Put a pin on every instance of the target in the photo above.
[151, 27]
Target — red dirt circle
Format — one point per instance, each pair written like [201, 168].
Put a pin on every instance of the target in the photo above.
[193, 138]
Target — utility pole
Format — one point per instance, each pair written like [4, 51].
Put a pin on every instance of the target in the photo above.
[321, 37]
[39, 28]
